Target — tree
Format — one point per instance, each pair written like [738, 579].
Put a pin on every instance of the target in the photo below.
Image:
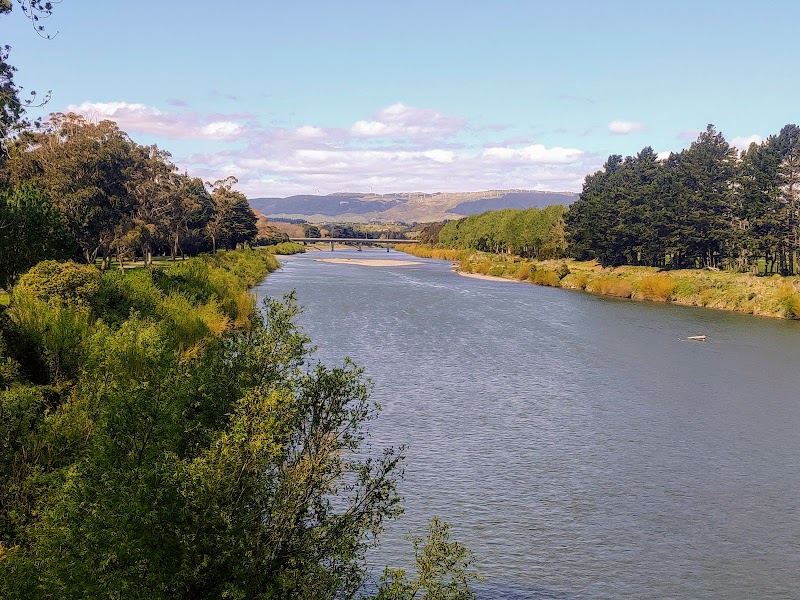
[234, 471]
[590, 218]
[84, 168]
[188, 209]
[12, 107]
[705, 174]
[443, 570]
[232, 222]
[31, 230]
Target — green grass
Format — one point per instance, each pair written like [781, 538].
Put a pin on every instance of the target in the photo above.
[5, 298]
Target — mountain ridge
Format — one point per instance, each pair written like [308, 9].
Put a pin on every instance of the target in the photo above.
[404, 207]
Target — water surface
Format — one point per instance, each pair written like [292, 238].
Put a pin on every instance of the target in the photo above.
[580, 446]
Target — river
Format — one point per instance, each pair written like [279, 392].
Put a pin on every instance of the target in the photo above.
[579, 445]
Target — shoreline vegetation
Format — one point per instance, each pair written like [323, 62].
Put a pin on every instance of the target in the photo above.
[771, 296]
[156, 426]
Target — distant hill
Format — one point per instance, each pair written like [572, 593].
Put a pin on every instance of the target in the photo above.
[404, 207]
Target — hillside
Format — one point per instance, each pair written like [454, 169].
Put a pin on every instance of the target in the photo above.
[404, 207]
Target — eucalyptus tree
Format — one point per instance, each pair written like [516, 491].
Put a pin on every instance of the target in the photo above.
[189, 207]
[232, 223]
[84, 168]
[31, 230]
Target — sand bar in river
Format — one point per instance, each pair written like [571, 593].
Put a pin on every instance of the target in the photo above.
[369, 262]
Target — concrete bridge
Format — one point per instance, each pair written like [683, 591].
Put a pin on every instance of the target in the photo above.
[355, 241]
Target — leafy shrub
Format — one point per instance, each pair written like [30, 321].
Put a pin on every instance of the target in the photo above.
[497, 270]
[187, 325]
[51, 330]
[67, 282]
[562, 270]
[285, 248]
[793, 306]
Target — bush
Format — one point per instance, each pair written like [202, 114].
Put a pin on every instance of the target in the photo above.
[285, 248]
[523, 272]
[562, 270]
[67, 282]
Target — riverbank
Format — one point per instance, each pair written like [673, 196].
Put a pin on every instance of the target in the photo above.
[775, 296]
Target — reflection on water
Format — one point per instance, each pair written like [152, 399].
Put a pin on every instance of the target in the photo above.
[580, 446]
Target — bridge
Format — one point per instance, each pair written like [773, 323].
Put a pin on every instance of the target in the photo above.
[355, 241]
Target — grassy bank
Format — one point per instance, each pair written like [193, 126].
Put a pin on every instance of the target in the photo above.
[773, 296]
[285, 248]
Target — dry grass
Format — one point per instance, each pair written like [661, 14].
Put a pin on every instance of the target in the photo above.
[546, 277]
[610, 286]
[524, 271]
[575, 281]
[656, 287]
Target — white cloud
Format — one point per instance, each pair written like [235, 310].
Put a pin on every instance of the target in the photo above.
[663, 155]
[535, 153]
[401, 121]
[397, 148]
[619, 127]
[221, 129]
[743, 142]
[148, 120]
[309, 132]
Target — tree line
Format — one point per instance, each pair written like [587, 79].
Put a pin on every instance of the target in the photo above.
[707, 206]
[86, 188]
[531, 233]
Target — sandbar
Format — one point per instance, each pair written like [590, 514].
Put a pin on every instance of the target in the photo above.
[487, 277]
[369, 262]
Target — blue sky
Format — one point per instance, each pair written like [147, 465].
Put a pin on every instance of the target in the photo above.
[321, 97]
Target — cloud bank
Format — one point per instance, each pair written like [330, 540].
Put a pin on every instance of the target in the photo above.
[396, 148]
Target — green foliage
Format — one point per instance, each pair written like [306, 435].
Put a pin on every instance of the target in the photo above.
[546, 277]
[50, 334]
[285, 248]
[32, 231]
[144, 467]
[702, 207]
[443, 570]
[531, 233]
[66, 282]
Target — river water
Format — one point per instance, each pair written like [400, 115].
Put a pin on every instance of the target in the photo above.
[579, 445]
